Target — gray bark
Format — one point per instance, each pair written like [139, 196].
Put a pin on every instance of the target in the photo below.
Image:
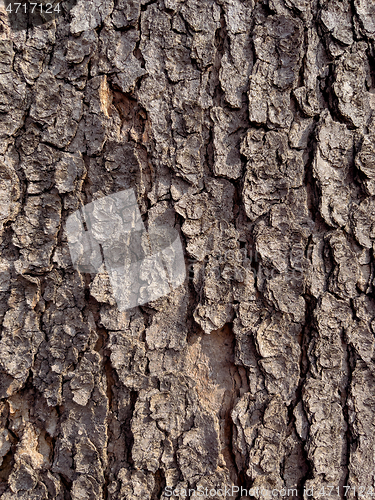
[249, 126]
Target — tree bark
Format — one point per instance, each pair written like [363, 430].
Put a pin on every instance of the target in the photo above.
[249, 126]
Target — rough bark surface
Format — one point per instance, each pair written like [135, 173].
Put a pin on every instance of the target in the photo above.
[249, 126]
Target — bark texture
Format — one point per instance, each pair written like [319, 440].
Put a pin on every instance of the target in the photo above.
[249, 126]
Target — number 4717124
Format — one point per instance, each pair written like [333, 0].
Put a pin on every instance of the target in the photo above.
[46, 8]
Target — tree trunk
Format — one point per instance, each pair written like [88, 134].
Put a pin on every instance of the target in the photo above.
[249, 126]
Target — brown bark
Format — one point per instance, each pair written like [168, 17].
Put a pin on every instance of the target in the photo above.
[249, 126]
